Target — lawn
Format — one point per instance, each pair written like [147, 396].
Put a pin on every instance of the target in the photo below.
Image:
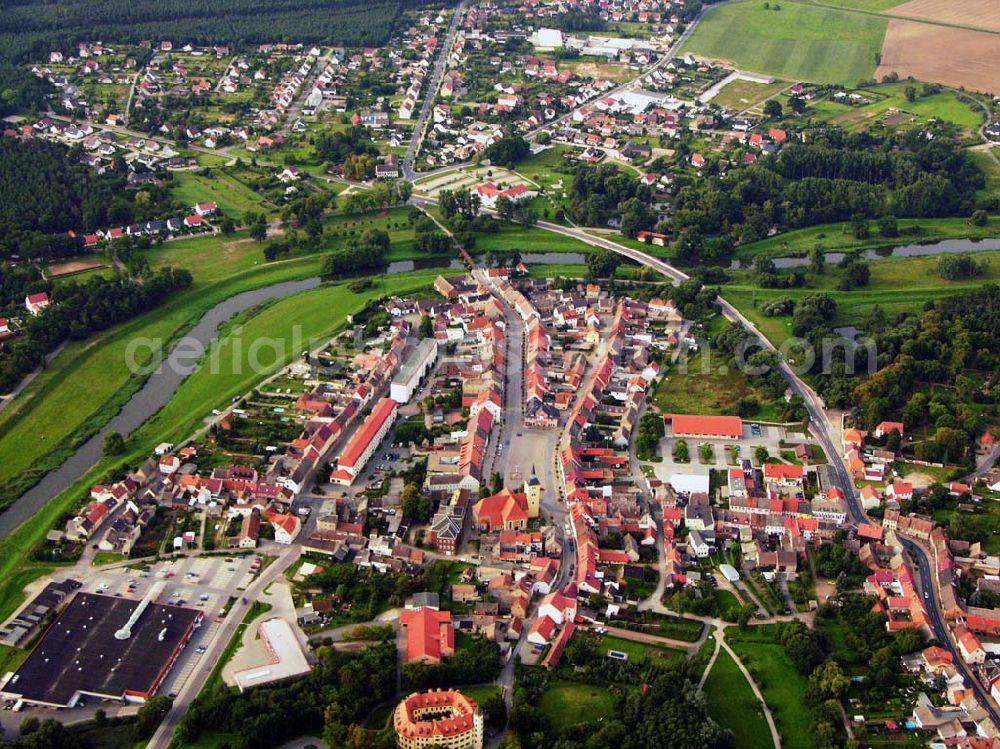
[107, 557]
[232, 196]
[707, 387]
[835, 237]
[896, 285]
[732, 704]
[797, 42]
[568, 703]
[481, 693]
[528, 239]
[989, 166]
[11, 658]
[741, 94]
[637, 651]
[783, 688]
[946, 105]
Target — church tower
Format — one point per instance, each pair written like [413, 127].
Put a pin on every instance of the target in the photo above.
[533, 491]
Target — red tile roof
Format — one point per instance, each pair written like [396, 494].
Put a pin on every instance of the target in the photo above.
[373, 423]
[714, 426]
[429, 634]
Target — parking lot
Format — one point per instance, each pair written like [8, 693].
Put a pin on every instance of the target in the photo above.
[199, 582]
[725, 452]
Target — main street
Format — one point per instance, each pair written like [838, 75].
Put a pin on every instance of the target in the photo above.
[430, 94]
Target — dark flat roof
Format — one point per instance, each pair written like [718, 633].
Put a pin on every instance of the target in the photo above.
[79, 652]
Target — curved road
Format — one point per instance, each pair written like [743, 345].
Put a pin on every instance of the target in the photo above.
[829, 438]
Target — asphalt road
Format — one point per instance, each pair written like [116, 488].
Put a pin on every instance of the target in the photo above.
[191, 688]
[829, 438]
[430, 93]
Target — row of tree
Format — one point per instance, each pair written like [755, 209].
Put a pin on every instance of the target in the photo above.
[79, 310]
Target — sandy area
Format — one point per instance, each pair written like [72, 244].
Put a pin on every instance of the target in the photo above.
[955, 57]
[74, 266]
[983, 14]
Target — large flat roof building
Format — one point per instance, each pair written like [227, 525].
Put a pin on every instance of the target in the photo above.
[364, 442]
[104, 647]
[710, 427]
[419, 362]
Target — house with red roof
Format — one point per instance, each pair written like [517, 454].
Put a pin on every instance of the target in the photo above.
[936, 658]
[506, 510]
[784, 474]
[35, 303]
[541, 630]
[883, 429]
[205, 209]
[286, 527]
[489, 193]
[711, 427]
[899, 490]
[969, 646]
[428, 635]
[365, 441]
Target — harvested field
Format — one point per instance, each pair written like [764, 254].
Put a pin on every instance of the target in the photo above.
[74, 266]
[980, 14]
[954, 57]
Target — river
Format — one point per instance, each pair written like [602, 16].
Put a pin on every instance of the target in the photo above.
[944, 247]
[155, 393]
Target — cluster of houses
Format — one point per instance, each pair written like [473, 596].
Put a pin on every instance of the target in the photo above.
[959, 719]
[193, 222]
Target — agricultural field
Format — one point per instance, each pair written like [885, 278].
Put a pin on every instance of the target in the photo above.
[732, 704]
[742, 94]
[872, 6]
[796, 42]
[978, 14]
[953, 56]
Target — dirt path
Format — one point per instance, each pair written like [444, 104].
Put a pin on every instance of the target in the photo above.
[775, 736]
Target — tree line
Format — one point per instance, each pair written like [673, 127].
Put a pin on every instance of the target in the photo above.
[31, 28]
[48, 193]
[835, 177]
[79, 310]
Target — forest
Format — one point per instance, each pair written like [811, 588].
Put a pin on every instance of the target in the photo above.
[836, 176]
[330, 701]
[30, 28]
[935, 370]
[21, 91]
[80, 309]
[48, 193]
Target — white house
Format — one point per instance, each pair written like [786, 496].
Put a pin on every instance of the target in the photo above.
[35, 303]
